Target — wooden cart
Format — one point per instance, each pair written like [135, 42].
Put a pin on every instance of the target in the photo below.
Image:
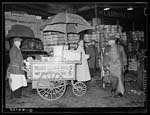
[50, 78]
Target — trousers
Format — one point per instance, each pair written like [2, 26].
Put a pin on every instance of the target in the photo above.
[116, 72]
[16, 94]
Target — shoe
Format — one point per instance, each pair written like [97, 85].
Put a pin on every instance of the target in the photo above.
[11, 97]
[34, 91]
[18, 97]
[113, 91]
[120, 95]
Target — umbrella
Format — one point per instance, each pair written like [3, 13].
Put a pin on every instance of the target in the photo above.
[67, 18]
[67, 28]
[66, 23]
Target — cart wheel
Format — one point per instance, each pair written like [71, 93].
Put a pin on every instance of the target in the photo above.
[79, 88]
[51, 86]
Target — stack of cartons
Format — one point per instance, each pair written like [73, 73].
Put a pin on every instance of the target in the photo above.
[73, 38]
[133, 65]
[102, 34]
[51, 39]
[60, 39]
[135, 35]
[57, 38]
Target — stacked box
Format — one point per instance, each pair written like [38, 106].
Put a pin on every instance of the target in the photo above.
[73, 38]
[56, 38]
[135, 35]
[133, 65]
[103, 32]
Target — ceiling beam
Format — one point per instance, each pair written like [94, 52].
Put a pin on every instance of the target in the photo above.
[29, 11]
[41, 9]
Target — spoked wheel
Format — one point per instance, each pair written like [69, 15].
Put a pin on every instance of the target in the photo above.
[79, 88]
[51, 86]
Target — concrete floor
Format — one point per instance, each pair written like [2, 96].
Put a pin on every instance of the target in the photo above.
[96, 96]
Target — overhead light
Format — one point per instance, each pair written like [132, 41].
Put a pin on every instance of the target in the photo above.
[130, 8]
[106, 8]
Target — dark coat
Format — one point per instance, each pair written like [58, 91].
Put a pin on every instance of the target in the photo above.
[115, 58]
[120, 56]
[16, 61]
[92, 60]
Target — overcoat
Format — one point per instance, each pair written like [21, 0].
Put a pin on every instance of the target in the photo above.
[91, 61]
[115, 59]
[16, 61]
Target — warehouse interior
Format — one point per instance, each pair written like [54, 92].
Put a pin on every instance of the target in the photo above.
[128, 20]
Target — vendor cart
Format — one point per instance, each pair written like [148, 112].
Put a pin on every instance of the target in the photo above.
[51, 75]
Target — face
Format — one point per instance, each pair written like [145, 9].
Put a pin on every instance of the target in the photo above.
[110, 42]
[81, 43]
[93, 43]
[17, 43]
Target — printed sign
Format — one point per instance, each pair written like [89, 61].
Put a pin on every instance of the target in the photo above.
[66, 70]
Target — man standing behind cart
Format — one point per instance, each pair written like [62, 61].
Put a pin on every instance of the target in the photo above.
[83, 73]
[115, 59]
[90, 49]
[16, 69]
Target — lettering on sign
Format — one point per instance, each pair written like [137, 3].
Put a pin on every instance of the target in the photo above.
[66, 70]
[39, 68]
[37, 73]
[115, 14]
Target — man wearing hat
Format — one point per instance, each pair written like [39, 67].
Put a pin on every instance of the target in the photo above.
[15, 69]
[115, 59]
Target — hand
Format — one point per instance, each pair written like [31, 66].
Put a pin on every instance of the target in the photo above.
[23, 68]
[87, 56]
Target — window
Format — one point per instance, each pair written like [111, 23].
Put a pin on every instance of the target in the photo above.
[24, 44]
[31, 44]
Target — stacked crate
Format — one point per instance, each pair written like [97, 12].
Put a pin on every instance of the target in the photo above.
[73, 40]
[102, 34]
[135, 35]
[133, 65]
[50, 39]
[57, 38]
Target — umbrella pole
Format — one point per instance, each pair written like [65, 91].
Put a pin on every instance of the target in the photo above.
[96, 27]
[66, 39]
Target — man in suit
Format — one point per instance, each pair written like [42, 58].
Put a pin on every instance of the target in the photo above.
[115, 59]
